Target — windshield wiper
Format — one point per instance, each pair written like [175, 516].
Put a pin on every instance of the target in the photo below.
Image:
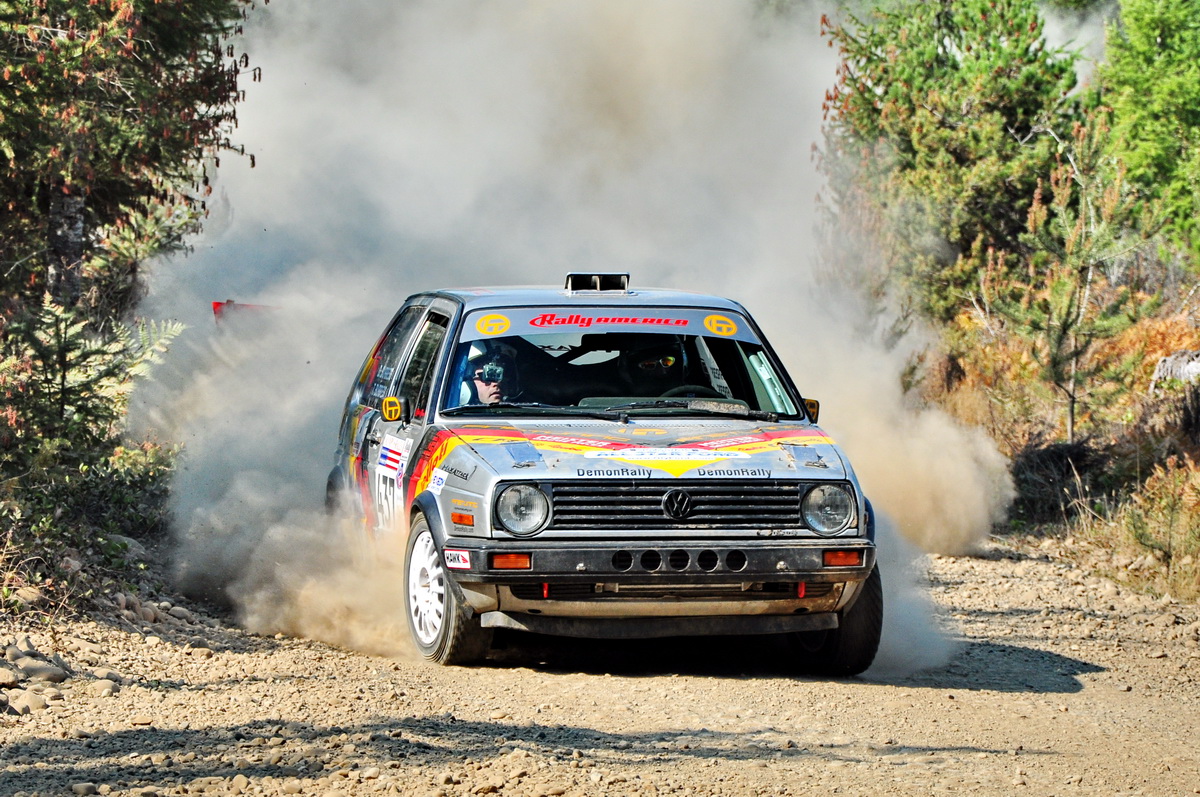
[723, 408]
[670, 404]
[606, 414]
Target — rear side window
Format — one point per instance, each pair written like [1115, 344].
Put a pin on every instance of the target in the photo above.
[380, 369]
[418, 375]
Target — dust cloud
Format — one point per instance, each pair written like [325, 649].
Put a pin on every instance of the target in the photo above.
[407, 145]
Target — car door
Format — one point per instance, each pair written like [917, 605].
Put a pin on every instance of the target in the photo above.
[396, 432]
[366, 397]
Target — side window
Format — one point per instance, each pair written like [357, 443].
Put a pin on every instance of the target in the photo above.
[378, 376]
[418, 376]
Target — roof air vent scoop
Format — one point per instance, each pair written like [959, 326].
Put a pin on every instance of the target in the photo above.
[597, 282]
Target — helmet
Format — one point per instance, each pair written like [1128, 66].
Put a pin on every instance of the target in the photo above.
[493, 363]
[654, 366]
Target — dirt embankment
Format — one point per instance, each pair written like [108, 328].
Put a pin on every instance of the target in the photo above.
[1061, 684]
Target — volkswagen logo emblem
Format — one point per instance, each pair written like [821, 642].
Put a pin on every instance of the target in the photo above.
[677, 504]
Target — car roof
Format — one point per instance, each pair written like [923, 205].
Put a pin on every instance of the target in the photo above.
[544, 296]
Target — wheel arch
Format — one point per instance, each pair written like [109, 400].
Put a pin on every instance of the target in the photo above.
[337, 488]
[426, 505]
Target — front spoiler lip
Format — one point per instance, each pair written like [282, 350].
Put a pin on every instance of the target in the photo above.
[592, 561]
[658, 627]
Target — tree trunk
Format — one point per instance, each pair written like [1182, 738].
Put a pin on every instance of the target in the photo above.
[66, 243]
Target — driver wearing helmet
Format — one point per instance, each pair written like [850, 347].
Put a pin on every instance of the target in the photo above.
[494, 377]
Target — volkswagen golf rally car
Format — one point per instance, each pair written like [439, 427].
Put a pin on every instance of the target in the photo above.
[604, 462]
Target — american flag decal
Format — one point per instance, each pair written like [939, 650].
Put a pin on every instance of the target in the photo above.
[390, 459]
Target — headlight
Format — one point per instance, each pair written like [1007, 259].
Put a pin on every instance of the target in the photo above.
[828, 509]
[522, 509]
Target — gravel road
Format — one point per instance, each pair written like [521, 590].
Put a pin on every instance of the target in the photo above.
[1059, 684]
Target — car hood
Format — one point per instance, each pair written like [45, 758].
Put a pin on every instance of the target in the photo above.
[651, 448]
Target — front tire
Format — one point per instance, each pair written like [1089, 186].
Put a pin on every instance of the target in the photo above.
[439, 622]
[850, 648]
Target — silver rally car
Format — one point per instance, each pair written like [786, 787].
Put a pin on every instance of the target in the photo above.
[600, 461]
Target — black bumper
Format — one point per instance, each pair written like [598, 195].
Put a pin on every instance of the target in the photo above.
[658, 627]
[665, 562]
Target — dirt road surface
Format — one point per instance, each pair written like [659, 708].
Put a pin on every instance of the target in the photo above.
[1059, 684]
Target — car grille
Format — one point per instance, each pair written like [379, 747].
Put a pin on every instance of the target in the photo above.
[643, 505]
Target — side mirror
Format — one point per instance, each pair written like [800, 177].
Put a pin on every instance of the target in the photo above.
[813, 408]
[396, 408]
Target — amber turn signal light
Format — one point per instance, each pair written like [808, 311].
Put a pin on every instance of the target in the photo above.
[511, 561]
[843, 558]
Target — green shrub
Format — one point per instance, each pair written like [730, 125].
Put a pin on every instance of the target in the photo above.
[70, 490]
[1155, 527]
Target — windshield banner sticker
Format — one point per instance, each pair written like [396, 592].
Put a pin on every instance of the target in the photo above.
[540, 320]
[585, 321]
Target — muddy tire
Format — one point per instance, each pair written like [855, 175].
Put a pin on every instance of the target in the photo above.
[850, 648]
[442, 628]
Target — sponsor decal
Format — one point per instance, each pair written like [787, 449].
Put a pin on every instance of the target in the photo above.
[734, 472]
[457, 473]
[768, 441]
[675, 461]
[437, 481]
[571, 441]
[730, 441]
[493, 439]
[494, 324]
[629, 473]
[389, 458]
[456, 559]
[720, 325]
[661, 454]
[464, 503]
[393, 454]
[438, 447]
[585, 321]
[391, 409]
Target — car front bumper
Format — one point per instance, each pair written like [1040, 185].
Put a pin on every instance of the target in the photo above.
[627, 588]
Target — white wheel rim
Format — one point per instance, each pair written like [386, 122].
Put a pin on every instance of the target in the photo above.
[426, 590]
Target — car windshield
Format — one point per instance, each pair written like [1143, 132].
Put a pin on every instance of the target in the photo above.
[668, 361]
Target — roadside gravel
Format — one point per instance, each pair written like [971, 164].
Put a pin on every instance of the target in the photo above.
[1062, 683]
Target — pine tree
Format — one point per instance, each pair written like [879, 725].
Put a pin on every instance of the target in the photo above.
[64, 389]
[107, 111]
[1066, 308]
[1151, 81]
[935, 119]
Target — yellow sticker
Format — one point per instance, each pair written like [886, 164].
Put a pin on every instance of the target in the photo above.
[494, 324]
[720, 325]
[391, 409]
